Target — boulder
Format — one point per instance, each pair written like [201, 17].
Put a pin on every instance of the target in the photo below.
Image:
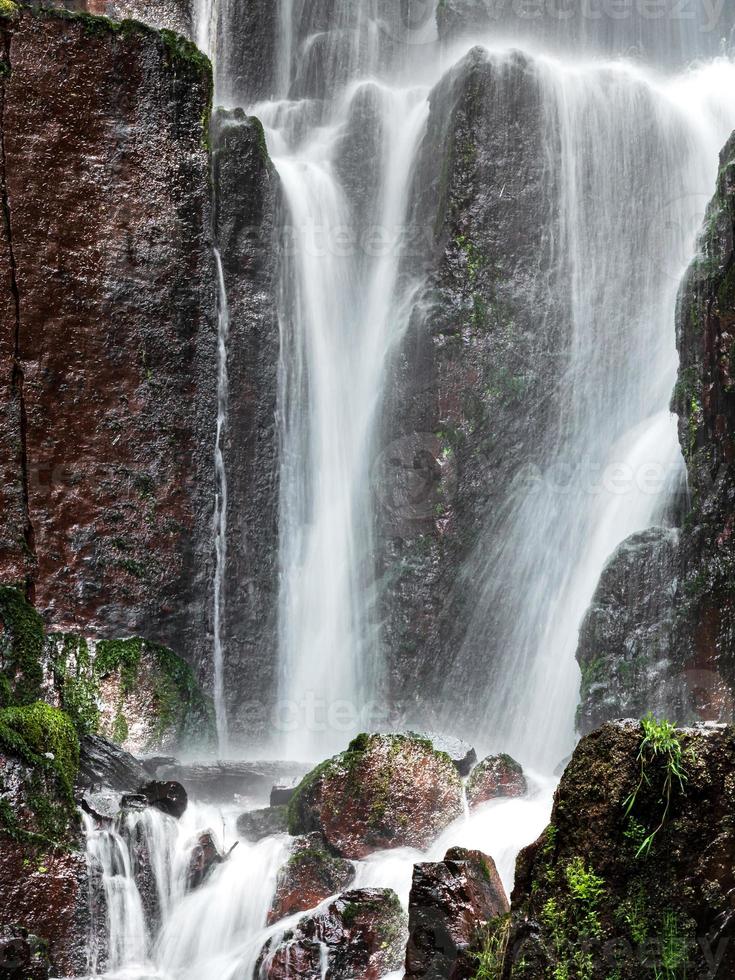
[385, 791]
[451, 903]
[257, 824]
[140, 694]
[310, 875]
[22, 955]
[361, 934]
[168, 797]
[205, 856]
[104, 764]
[635, 870]
[495, 777]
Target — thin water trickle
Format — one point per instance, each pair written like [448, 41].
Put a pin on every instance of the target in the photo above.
[220, 509]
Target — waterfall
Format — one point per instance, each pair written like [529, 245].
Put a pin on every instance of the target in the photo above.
[157, 927]
[639, 158]
[220, 508]
[341, 313]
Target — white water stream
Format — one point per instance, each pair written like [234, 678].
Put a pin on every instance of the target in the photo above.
[638, 154]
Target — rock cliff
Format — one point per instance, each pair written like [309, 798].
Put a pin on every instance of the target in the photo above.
[109, 336]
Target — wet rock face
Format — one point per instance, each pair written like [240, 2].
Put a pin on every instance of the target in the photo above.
[310, 875]
[704, 399]
[473, 391]
[361, 934]
[385, 791]
[585, 889]
[257, 824]
[107, 217]
[451, 902]
[498, 776]
[22, 955]
[246, 194]
[626, 640]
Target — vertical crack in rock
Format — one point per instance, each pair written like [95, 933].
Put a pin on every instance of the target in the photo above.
[17, 373]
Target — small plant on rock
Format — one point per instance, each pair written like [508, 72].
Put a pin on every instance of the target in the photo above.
[661, 744]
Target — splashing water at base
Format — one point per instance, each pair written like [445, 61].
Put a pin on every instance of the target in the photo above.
[217, 931]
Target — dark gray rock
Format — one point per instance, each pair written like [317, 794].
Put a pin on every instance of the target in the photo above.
[102, 764]
[22, 955]
[473, 390]
[169, 797]
[257, 824]
[223, 782]
[245, 206]
[626, 640]
[584, 885]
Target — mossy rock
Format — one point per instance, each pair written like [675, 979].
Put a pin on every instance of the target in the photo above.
[385, 791]
[39, 747]
[149, 697]
[21, 648]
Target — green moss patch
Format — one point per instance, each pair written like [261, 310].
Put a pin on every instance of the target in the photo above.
[21, 647]
[44, 739]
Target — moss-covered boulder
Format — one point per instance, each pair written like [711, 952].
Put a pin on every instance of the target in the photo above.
[361, 934]
[139, 694]
[385, 791]
[310, 875]
[634, 877]
[149, 698]
[43, 870]
[498, 776]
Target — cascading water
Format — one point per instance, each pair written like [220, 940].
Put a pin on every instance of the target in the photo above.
[341, 313]
[637, 159]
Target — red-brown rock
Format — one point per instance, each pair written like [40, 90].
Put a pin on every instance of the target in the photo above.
[310, 875]
[205, 856]
[110, 349]
[496, 777]
[451, 901]
[362, 934]
[385, 791]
